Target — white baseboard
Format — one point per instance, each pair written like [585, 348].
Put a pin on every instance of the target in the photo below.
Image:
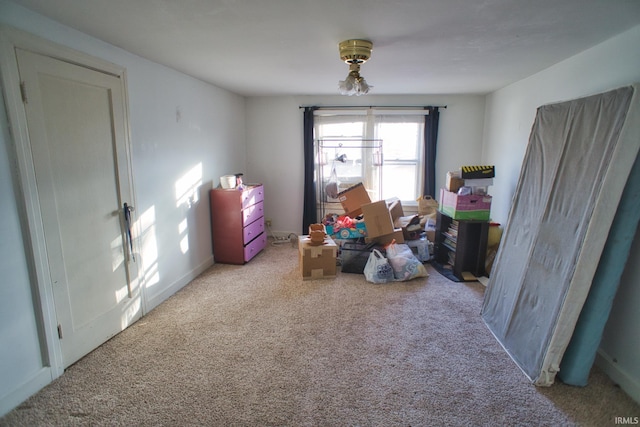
[171, 289]
[25, 390]
[618, 375]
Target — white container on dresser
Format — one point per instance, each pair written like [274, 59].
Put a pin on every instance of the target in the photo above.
[237, 223]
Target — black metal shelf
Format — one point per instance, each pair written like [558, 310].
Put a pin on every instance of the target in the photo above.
[471, 245]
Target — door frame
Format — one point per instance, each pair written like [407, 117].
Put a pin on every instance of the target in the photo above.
[26, 188]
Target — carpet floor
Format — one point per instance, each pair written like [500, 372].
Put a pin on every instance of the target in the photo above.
[254, 345]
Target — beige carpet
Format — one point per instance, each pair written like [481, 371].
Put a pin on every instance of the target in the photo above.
[255, 345]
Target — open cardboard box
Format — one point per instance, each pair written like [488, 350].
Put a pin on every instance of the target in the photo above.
[379, 218]
[384, 220]
[353, 198]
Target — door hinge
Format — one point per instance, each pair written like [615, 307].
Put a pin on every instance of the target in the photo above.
[59, 331]
[23, 92]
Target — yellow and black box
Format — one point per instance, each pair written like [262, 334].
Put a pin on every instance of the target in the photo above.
[477, 172]
[317, 261]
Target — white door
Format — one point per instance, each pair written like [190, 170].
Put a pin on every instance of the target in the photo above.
[77, 131]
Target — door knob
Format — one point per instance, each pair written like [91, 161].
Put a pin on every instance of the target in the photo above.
[127, 220]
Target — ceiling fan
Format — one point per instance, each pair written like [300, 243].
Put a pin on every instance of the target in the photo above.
[354, 52]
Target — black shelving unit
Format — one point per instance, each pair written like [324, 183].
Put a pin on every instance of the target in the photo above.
[462, 245]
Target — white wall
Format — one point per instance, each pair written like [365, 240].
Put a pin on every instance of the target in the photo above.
[509, 115]
[275, 150]
[183, 131]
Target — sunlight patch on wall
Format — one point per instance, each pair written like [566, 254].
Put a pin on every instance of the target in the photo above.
[146, 224]
[187, 186]
[122, 293]
[131, 312]
[184, 242]
[117, 253]
[118, 262]
[182, 227]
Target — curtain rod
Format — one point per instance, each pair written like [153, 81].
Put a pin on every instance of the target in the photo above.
[337, 107]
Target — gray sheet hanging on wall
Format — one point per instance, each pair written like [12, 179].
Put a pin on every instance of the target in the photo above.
[579, 156]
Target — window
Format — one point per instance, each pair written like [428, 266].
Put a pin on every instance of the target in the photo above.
[382, 149]
[401, 153]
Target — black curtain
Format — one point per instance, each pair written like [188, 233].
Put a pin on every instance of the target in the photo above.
[430, 143]
[309, 211]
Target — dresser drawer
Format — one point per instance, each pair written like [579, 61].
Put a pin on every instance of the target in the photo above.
[252, 249]
[252, 195]
[252, 230]
[252, 213]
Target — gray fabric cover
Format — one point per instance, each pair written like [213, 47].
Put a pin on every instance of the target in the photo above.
[579, 156]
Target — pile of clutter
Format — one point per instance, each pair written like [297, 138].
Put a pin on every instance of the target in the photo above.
[381, 228]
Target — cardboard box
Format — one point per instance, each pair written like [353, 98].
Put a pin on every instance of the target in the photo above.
[352, 198]
[479, 186]
[465, 207]
[317, 262]
[480, 182]
[454, 182]
[377, 218]
[475, 172]
[395, 208]
[360, 230]
[396, 235]
[410, 226]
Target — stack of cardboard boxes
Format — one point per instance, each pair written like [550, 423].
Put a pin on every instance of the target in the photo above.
[473, 202]
[373, 225]
[378, 217]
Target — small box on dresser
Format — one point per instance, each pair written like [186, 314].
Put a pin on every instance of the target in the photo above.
[237, 223]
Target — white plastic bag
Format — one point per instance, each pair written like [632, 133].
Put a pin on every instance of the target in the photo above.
[404, 263]
[377, 269]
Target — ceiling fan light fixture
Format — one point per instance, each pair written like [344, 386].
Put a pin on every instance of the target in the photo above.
[354, 52]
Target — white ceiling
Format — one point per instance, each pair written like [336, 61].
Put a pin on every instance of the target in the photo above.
[280, 47]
